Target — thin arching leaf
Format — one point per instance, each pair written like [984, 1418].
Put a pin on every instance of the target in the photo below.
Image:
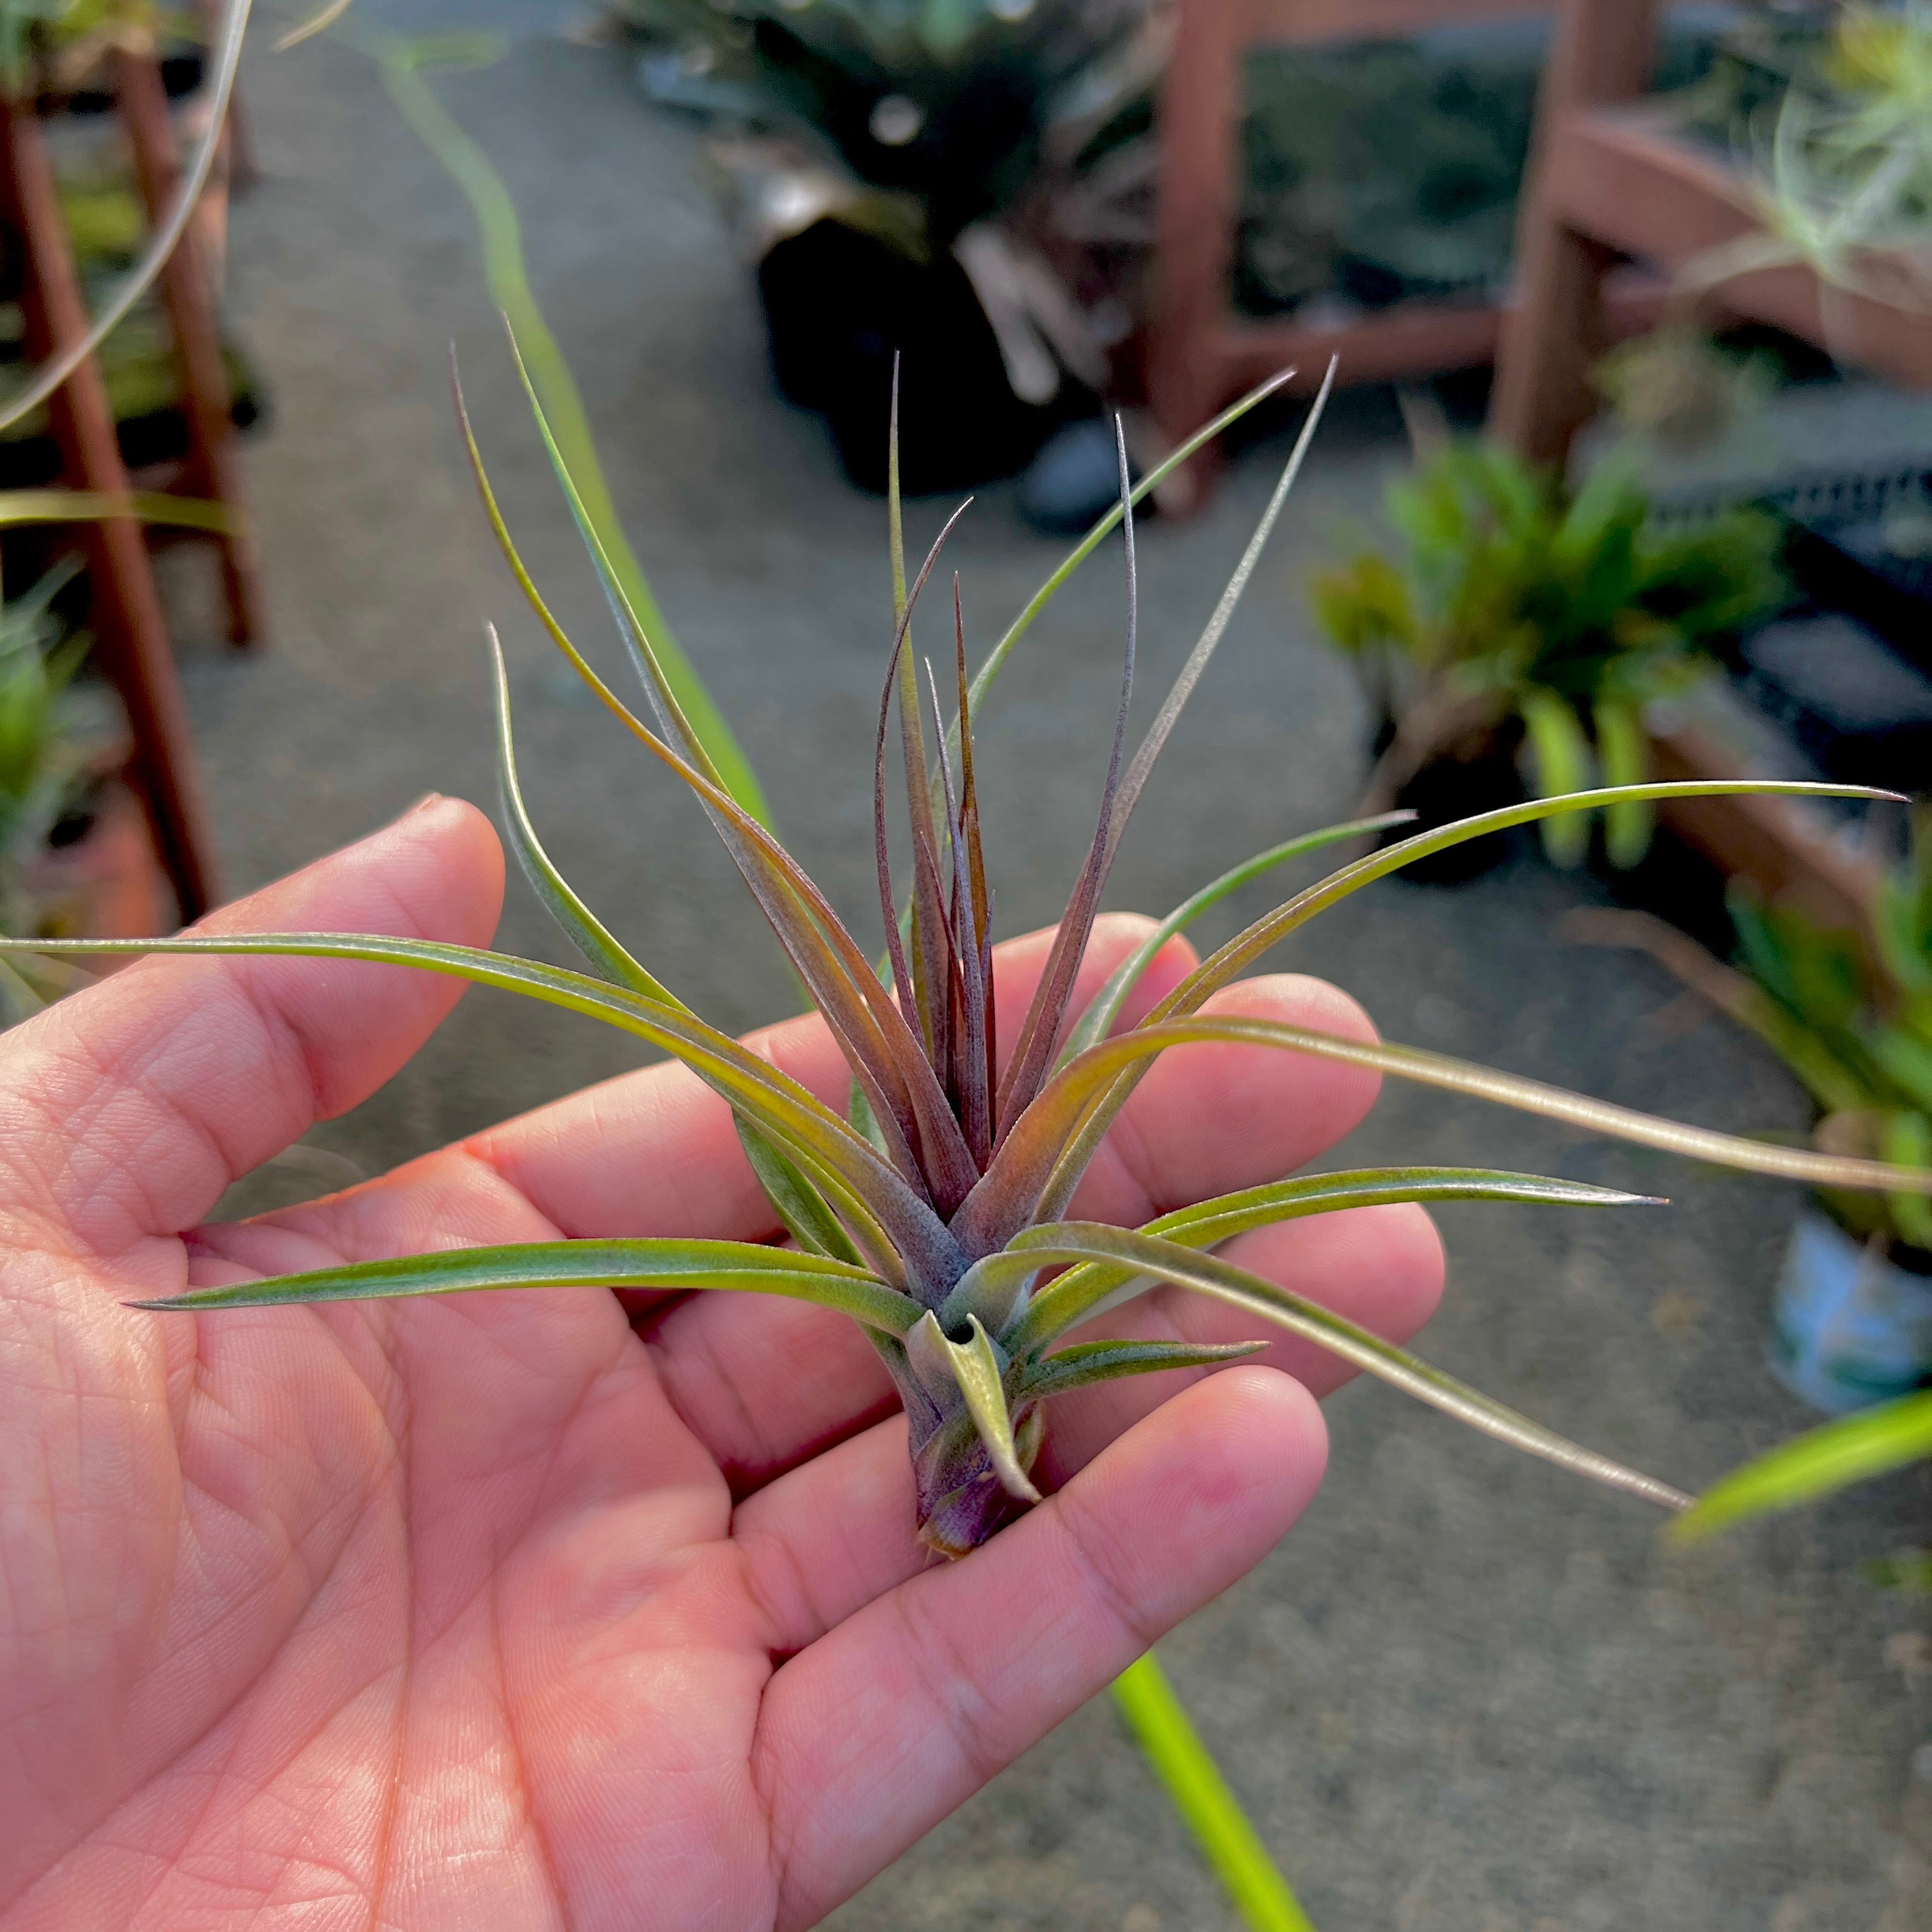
[1068, 1241]
[1223, 966]
[1086, 1363]
[1023, 1174]
[1176, 701]
[1099, 1016]
[807, 1216]
[976, 1368]
[676, 1265]
[1032, 1049]
[869, 1194]
[1075, 1295]
[869, 1030]
[608, 959]
[1819, 1463]
[1104, 526]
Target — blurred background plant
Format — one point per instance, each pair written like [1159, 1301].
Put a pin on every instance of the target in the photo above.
[1518, 613]
[888, 164]
[1849, 1013]
[1829, 106]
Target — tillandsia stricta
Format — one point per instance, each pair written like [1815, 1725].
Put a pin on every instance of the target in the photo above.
[935, 1213]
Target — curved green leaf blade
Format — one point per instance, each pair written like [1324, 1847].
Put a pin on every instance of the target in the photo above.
[741, 1266]
[607, 958]
[1104, 526]
[1025, 1178]
[1106, 1004]
[807, 1217]
[1086, 1363]
[1623, 756]
[1073, 1296]
[1228, 1842]
[1066, 1241]
[1819, 1463]
[1209, 641]
[566, 425]
[1221, 966]
[893, 1221]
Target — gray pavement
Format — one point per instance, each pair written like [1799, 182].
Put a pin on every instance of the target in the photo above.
[1466, 1695]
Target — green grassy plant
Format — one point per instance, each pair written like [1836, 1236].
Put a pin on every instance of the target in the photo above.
[1851, 1016]
[1512, 599]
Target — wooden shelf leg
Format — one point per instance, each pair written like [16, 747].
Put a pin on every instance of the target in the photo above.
[213, 468]
[133, 646]
[1601, 53]
[1198, 129]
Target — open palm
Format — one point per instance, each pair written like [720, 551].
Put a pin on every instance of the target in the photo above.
[526, 1608]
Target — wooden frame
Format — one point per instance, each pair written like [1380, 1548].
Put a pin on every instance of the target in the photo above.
[133, 647]
[1606, 179]
[1200, 356]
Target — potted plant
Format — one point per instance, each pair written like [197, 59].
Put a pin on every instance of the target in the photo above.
[1524, 626]
[1853, 1322]
[1850, 1015]
[886, 147]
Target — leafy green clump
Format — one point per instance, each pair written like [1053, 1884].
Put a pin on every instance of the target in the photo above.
[1855, 1026]
[934, 1213]
[1512, 599]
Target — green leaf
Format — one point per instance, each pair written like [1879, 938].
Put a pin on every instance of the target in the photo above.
[1025, 1175]
[807, 1218]
[1623, 753]
[1103, 527]
[1089, 1362]
[1073, 1296]
[564, 425]
[1819, 1463]
[1204, 646]
[1905, 1139]
[608, 959]
[679, 1264]
[980, 1371]
[1069, 1241]
[900, 1090]
[1228, 1842]
[1562, 755]
[1242, 951]
[1100, 1015]
[891, 1221]
[29, 507]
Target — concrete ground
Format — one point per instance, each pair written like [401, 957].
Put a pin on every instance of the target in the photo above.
[1467, 1694]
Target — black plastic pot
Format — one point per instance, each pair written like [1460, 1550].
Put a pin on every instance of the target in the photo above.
[1478, 775]
[839, 303]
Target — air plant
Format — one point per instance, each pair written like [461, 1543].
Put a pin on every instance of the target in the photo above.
[935, 1213]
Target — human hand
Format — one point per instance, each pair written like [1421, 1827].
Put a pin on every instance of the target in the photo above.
[518, 1609]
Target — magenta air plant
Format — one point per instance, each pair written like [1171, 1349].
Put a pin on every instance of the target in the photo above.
[935, 1212]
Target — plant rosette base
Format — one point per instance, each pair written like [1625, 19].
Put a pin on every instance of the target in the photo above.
[1850, 1326]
